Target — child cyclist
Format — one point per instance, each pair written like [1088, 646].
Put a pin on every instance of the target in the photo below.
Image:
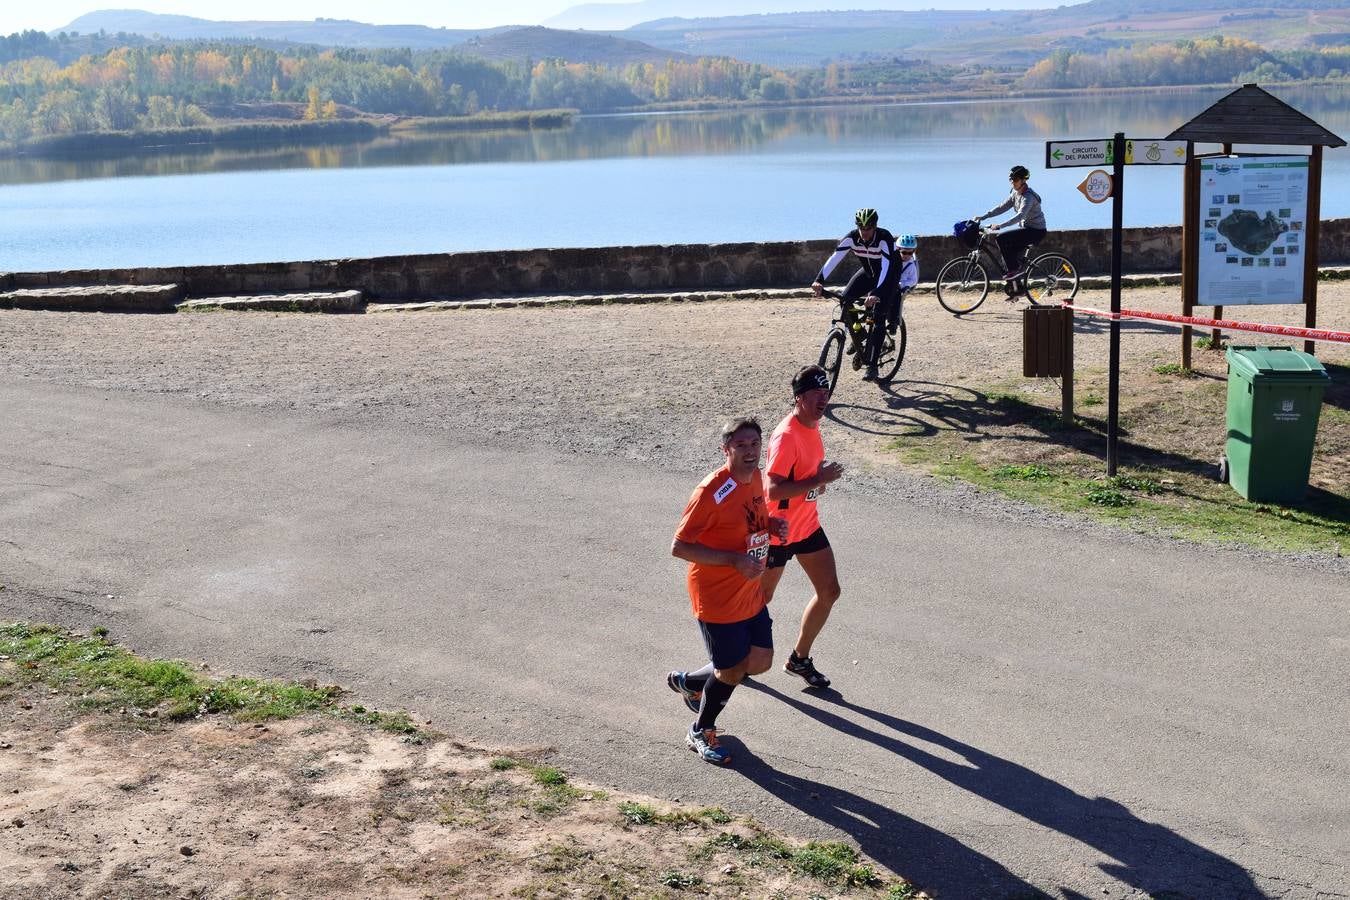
[907, 246]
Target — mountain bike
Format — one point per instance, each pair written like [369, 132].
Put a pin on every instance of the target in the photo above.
[963, 282]
[848, 336]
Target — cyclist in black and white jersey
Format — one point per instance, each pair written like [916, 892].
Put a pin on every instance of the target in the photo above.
[876, 280]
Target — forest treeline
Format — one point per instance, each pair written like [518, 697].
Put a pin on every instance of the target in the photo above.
[144, 87]
[1208, 61]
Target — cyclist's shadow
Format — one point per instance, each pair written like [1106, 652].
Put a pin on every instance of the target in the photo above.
[1151, 858]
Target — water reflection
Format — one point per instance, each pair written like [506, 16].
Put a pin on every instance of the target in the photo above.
[706, 133]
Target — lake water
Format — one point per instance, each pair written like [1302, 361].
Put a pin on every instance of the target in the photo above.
[608, 180]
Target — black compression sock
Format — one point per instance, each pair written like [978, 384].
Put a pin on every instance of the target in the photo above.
[698, 679]
[715, 696]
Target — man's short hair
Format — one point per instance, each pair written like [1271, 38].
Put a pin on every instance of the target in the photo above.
[734, 425]
[809, 378]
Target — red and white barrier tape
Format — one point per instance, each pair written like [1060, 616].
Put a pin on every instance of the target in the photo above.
[1308, 334]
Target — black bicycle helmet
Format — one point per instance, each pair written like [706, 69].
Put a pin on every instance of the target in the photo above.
[1021, 172]
[865, 217]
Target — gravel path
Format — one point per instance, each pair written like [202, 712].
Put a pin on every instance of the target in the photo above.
[647, 383]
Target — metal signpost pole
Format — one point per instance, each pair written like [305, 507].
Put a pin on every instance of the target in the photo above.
[1117, 221]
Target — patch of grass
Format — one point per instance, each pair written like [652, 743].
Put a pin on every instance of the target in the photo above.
[1007, 400]
[563, 858]
[834, 863]
[680, 880]
[504, 763]
[1140, 483]
[549, 776]
[1029, 472]
[1107, 496]
[646, 814]
[106, 676]
[639, 813]
[1207, 343]
[829, 862]
[1092, 400]
[1174, 369]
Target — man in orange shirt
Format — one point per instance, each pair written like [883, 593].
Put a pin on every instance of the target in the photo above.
[724, 536]
[798, 474]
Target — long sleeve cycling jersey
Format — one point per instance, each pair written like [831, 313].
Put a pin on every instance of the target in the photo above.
[1026, 206]
[874, 256]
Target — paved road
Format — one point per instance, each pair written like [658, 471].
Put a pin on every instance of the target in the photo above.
[1020, 708]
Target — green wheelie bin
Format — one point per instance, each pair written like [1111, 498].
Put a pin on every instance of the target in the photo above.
[1274, 400]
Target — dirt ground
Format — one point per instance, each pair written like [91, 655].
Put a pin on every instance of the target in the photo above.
[125, 806]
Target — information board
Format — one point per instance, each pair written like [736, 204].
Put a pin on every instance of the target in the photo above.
[1253, 217]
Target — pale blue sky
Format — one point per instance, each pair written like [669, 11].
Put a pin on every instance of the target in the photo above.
[48, 15]
[51, 14]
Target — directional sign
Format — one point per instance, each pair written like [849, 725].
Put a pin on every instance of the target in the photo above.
[1148, 152]
[1090, 152]
[1098, 186]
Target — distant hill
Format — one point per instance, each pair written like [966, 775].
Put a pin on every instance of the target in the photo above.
[615, 16]
[992, 37]
[578, 47]
[325, 32]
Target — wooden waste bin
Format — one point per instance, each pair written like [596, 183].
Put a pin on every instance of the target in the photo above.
[1046, 351]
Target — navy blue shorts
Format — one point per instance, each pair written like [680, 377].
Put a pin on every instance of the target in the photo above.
[729, 643]
[779, 554]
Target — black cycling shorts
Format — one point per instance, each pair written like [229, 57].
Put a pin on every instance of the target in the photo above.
[779, 554]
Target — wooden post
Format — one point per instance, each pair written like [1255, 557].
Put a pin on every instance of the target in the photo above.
[1215, 335]
[1312, 233]
[1066, 381]
[1190, 234]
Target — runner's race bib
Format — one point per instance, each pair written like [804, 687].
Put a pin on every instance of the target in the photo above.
[757, 545]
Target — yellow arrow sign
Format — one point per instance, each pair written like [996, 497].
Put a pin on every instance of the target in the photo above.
[1147, 152]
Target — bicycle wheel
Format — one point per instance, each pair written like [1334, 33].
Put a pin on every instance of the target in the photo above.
[892, 354]
[1050, 278]
[962, 286]
[832, 355]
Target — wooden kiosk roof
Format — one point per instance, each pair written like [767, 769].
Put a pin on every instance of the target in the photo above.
[1249, 115]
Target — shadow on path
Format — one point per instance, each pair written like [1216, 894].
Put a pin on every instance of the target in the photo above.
[933, 861]
[1148, 856]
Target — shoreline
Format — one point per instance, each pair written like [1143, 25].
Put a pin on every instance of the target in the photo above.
[281, 133]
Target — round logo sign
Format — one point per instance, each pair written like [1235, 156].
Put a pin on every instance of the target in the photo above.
[1097, 186]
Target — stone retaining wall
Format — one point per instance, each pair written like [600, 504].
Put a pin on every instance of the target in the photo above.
[686, 267]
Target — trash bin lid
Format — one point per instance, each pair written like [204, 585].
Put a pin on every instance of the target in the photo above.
[1283, 363]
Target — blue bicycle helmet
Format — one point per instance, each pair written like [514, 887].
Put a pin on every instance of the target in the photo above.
[908, 242]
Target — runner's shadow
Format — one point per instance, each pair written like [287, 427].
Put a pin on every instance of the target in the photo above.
[933, 861]
[1151, 858]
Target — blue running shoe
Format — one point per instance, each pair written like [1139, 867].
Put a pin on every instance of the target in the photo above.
[704, 743]
[692, 699]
